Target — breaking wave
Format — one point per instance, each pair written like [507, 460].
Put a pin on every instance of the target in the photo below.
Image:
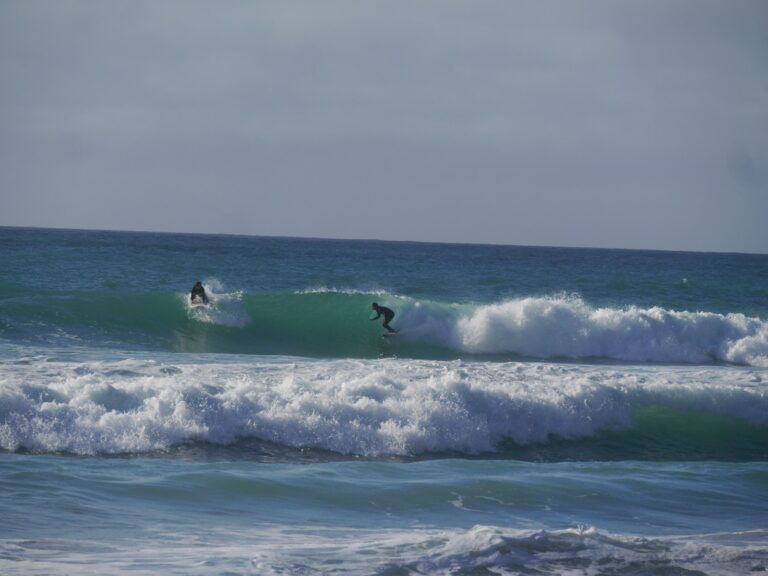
[382, 408]
[331, 323]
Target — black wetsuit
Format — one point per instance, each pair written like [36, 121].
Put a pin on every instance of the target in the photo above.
[198, 292]
[388, 315]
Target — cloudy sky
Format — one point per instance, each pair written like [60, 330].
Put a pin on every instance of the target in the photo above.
[544, 122]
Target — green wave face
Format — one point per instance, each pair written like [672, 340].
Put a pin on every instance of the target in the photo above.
[318, 325]
[325, 324]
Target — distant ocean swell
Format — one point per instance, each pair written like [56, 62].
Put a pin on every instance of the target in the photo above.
[334, 324]
[403, 408]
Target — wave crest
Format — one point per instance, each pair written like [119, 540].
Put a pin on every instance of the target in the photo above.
[569, 327]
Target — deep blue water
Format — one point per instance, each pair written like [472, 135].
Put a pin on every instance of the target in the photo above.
[40, 259]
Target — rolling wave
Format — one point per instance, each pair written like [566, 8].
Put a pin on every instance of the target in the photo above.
[479, 549]
[382, 408]
[334, 324]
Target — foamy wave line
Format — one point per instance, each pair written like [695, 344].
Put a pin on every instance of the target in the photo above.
[369, 408]
[478, 550]
[490, 549]
[568, 327]
[337, 290]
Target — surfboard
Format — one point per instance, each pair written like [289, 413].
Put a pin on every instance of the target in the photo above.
[388, 334]
[198, 304]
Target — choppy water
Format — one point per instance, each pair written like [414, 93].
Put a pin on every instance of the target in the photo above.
[541, 410]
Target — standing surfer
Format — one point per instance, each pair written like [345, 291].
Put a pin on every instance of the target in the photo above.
[387, 313]
[198, 292]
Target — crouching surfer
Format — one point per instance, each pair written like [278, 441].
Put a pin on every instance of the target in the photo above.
[198, 294]
[388, 315]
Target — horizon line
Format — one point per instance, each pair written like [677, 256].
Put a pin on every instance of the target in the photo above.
[331, 239]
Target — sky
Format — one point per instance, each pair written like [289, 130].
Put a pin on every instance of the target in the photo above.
[592, 123]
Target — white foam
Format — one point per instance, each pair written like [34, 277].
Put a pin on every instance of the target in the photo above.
[399, 407]
[567, 327]
[342, 290]
[225, 308]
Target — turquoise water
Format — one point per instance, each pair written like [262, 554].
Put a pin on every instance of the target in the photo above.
[541, 410]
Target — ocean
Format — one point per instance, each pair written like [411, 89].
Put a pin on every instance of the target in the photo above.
[540, 410]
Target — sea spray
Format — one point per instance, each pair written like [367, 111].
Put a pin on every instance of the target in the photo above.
[223, 308]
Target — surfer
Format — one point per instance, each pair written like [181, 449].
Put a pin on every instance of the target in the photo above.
[387, 313]
[198, 292]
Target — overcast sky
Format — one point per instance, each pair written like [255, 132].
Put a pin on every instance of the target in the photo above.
[563, 123]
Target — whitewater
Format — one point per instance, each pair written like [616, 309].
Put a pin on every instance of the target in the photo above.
[365, 408]
[540, 411]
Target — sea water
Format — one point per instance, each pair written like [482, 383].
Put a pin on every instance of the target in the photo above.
[540, 411]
